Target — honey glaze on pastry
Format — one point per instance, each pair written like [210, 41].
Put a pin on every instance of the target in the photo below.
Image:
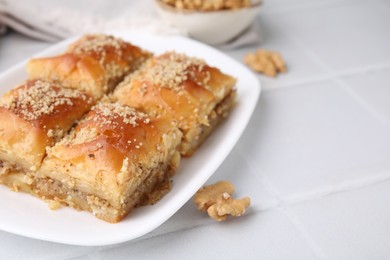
[35, 115]
[113, 160]
[95, 64]
[193, 94]
[62, 139]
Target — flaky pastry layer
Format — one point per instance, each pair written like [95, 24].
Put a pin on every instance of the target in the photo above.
[122, 152]
[34, 116]
[184, 89]
[111, 153]
[94, 64]
[57, 193]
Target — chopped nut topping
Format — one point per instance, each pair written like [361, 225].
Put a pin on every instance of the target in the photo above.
[57, 134]
[6, 167]
[50, 133]
[267, 62]
[37, 98]
[208, 5]
[217, 201]
[106, 114]
[97, 43]
[125, 165]
[171, 70]
[112, 53]
[111, 111]
[84, 135]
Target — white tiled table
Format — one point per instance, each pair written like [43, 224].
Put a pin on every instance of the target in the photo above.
[315, 158]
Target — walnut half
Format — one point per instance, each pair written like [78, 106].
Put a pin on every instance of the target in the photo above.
[216, 199]
[267, 62]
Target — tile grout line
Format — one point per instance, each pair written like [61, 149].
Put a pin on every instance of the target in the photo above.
[291, 216]
[325, 192]
[289, 201]
[84, 252]
[301, 229]
[358, 99]
[311, 54]
[330, 76]
[200, 223]
[285, 203]
[260, 177]
[339, 82]
[282, 204]
[279, 202]
[207, 222]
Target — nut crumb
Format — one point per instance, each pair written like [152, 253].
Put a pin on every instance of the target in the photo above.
[54, 205]
[216, 199]
[267, 62]
[172, 69]
[38, 98]
[208, 5]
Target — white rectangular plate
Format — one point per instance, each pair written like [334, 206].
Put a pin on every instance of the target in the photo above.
[28, 216]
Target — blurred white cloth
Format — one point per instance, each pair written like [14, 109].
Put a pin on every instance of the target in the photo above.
[58, 19]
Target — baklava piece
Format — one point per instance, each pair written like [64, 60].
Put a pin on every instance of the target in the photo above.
[94, 64]
[34, 116]
[185, 90]
[116, 158]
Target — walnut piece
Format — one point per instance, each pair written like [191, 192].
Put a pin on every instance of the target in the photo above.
[216, 199]
[207, 5]
[267, 62]
[54, 204]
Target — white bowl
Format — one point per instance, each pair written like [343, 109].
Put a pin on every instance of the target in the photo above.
[212, 27]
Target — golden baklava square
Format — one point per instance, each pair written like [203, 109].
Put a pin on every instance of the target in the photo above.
[115, 159]
[184, 89]
[34, 116]
[94, 64]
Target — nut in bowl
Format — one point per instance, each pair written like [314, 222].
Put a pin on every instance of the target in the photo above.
[214, 23]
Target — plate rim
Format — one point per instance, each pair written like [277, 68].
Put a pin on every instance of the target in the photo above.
[238, 133]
